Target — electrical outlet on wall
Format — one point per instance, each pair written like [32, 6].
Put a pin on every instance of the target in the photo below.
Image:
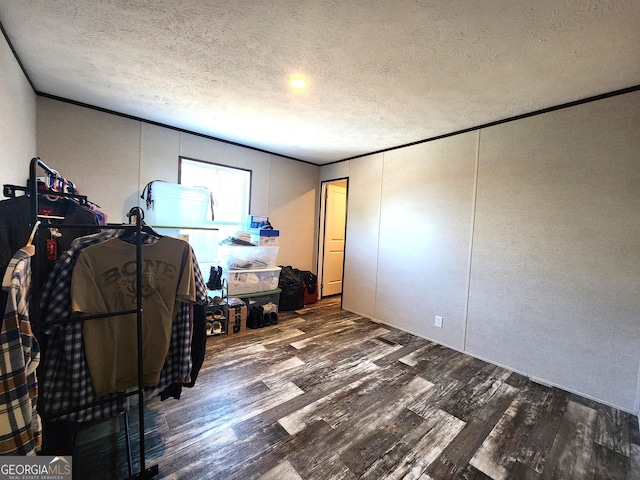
[438, 321]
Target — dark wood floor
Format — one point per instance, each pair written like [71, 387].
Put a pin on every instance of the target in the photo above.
[327, 394]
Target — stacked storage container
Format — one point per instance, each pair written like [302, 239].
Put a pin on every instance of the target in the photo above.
[251, 274]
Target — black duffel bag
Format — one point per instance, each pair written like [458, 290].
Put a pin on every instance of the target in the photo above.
[292, 286]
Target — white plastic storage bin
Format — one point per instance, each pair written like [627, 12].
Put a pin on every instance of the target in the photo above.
[251, 281]
[239, 257]
[175, 205]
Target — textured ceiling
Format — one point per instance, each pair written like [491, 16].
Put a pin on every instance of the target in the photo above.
[381, 73]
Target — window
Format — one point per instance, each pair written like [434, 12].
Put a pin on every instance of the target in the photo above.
[231, 190]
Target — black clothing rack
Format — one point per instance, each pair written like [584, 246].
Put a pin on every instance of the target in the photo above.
[33, 191]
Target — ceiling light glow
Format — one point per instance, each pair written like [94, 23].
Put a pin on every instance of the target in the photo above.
[299, 83]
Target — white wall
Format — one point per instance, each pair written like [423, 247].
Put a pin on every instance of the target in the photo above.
[556, 253]
[359, 282]
[17, 119]
[111, 158]
[293, 208]
[334, 171]
[425, 230]
[524, 236]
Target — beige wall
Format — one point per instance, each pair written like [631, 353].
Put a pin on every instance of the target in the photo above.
[17, 119]
[111, 158]
[359, 283]
[556, 253]
[334, 171]
[425, 229]
[524, 236]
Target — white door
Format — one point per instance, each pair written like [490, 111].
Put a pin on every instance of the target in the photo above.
[334, 231]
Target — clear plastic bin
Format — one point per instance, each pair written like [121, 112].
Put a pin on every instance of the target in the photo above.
[177, 205]
[251, 281]
[238, 257]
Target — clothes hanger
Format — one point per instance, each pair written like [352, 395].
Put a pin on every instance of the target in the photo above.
[29, 248]
[136, 214]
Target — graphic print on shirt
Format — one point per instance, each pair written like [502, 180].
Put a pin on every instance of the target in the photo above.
[119, 283]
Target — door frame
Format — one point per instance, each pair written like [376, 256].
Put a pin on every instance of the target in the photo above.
[324, 184]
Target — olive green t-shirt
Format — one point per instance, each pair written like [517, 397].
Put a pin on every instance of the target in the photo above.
[104, 281]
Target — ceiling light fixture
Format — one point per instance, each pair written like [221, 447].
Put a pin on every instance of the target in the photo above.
[299, 83]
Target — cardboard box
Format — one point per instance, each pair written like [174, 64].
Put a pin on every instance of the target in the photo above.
[257, 221]
[237, 313]
[264, 237]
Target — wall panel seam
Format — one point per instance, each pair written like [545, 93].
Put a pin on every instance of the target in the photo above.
[636, 407]
[140, 164]
[375, 301]
[473, 224]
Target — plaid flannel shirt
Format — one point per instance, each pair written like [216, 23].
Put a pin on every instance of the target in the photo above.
[20, 427]
[66, 380]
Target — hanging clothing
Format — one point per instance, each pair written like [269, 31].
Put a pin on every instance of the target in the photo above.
[104, 281]
[16, 222]
[20, 426]
[64, 362]
[198, 351]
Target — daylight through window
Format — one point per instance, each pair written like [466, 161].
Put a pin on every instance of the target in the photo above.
[231, 190]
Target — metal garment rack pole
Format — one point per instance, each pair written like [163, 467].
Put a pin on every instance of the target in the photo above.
[32, 190]
[144, 472]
